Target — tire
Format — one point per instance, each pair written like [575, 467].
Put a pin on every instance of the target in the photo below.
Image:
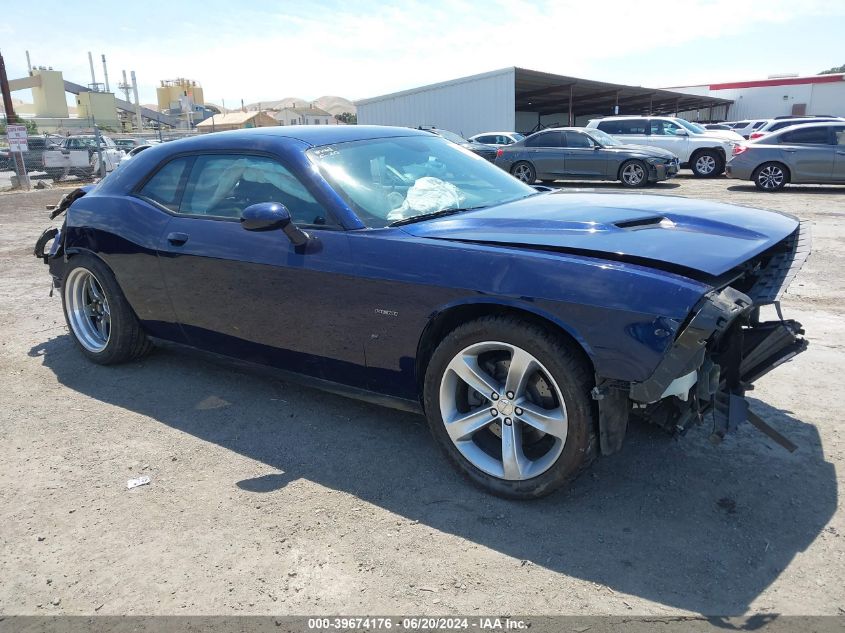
[707, 163]
[97, 314]
[770, 177]
[557, 384]
[525, 172]
[633, 174]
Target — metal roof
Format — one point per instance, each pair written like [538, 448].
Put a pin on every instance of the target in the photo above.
[546, 93]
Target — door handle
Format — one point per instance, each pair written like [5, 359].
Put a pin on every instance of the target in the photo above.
[177, 239]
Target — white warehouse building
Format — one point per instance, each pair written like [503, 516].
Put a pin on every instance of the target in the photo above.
[521, 100]
[778, 96]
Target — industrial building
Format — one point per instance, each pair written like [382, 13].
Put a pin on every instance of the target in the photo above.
[304, 116]
[236, 121]
[778, 96]
[526, 100]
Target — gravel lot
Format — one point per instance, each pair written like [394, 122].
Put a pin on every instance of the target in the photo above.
[273, 498]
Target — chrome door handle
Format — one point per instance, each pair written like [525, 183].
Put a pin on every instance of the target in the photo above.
[177, 239]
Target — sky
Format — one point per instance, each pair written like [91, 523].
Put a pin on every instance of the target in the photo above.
[266, 50]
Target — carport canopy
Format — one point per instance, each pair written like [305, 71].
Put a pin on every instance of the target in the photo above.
[545, 93]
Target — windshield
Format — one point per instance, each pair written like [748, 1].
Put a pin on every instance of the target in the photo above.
[451, 136]
[603, 138]
[695, 128]
[517, 136]
[392, 179]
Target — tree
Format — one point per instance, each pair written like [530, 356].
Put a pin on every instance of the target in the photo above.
[834, 70]
[31, 126]
[347, 117]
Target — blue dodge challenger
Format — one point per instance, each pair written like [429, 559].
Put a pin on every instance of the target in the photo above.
[392, 265]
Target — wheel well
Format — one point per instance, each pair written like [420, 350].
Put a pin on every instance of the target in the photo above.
[772, 162]
[444, 322]
[719, 150]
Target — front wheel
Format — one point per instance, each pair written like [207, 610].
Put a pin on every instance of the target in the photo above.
[770, 177]
[633, 173]
[508, 402]
[707, 164]
[97, 314]
[524, 172]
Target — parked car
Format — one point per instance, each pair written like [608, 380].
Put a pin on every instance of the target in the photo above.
[485, 151]
[806, 153]
[389, 264]
[33, 157]
[745, 128]
[78, 155]
[724, 127]
[132, 153]
[773, 125]
[128, 144]
[577, 153]
[703, 153]
[497, 139]
[696, 128]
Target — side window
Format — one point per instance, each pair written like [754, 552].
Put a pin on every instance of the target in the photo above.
[807, 136]
[164, 186]
[611, 127]
[484, 139]
[576, 139]
[663, 128]
[546, 139]
[632, 126]
[840, 135]
[222, 186]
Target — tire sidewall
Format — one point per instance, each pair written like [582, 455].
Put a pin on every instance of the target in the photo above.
[579, 448]
[119, 314]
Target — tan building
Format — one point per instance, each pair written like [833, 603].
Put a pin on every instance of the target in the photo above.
[236, 121]
[304, 116]
[99, 108]
[171, 93]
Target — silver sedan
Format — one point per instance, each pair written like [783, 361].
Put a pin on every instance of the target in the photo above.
[807, 153]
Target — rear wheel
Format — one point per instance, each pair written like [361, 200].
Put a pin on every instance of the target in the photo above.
[633, 173]
[525, 172]
[509, 403]
[770, 177]
[707, 163]
[97, 314]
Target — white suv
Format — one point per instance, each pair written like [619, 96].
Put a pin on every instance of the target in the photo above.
[705, 154]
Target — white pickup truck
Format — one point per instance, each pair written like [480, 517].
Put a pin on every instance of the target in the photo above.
[78, 156]
[705, 154]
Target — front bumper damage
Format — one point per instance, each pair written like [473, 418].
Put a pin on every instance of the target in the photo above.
[717, 355]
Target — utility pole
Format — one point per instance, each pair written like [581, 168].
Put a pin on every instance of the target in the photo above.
[137, 101]
[105, 74]
[11, 119]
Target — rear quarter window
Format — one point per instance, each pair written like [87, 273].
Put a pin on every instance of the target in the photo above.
[165, 186]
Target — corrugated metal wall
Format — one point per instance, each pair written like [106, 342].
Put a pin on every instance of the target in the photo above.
[466, 106]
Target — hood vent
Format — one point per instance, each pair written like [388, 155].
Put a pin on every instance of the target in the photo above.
[639, 222]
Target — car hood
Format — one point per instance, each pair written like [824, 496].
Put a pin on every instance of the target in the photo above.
[722, 135]
[692, 235]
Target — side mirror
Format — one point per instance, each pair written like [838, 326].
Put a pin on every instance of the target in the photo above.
[681, 133]
[269, 216]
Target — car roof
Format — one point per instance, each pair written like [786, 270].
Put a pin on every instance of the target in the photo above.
[320, 134]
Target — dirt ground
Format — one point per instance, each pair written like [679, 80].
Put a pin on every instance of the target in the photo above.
[273, 498]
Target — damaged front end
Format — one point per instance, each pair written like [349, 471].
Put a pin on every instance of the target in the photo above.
[718, 353]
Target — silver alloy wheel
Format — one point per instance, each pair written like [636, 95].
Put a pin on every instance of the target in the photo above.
[705, 164]
[523, 172]
[493, 421]
[633, 174]
[88, 310]
[771, 177]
